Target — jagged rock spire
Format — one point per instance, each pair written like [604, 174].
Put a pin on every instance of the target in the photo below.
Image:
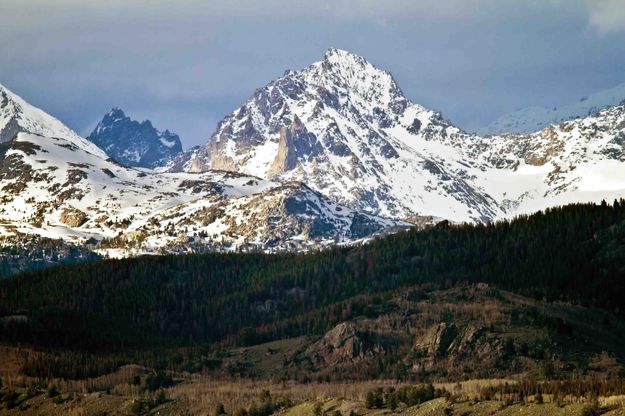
[132, 143]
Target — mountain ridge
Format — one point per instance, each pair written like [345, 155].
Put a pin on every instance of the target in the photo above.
[345, 157]
[533, 118]
[63, 186]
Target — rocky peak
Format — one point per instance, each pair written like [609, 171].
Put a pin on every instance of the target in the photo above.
[134, 143]
[115, 114]
[343, 127]
[354, 79]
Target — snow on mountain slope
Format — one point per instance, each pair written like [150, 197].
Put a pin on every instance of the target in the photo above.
[52, 188]
[531, 119]
[578, 161]
[57, 185]
[16, 116]
[343, 127]
[340, 126]
[132, 143]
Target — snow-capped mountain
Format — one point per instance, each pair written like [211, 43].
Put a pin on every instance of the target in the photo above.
[343, 127]
[531, 119]
[55, 184]
[132, 143]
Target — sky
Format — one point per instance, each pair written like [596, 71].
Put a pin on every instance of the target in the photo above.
[185, 64]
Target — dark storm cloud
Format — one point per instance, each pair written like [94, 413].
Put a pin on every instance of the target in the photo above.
[186, 64]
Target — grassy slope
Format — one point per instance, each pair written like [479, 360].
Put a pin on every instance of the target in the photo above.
[180, 402]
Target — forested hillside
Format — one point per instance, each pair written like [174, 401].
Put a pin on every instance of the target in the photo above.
[575, 253]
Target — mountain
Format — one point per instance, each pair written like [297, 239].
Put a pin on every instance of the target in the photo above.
[54, 184]
[345, 128]
[341, 148]
[531, 119]
[132, 143]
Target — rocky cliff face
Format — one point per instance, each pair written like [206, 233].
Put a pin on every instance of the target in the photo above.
[344, 345]
[134, 144]
[445, 342]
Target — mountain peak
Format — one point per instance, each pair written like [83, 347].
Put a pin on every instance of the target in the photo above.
[339, 54]
[18, 116]
[349, 59]
[116, 115]
[132, 143]
[348, 62]
[116, 112]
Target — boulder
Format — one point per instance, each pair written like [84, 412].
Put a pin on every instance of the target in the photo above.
[73, 217]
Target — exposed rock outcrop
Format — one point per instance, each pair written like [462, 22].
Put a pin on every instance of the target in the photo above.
[437, 341]
[73, 217]
[448, 342]
[286, 159]
[343, 344]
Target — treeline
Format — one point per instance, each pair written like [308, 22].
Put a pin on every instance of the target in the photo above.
[73, 366]
[574, 253]
[588, 388]
[268, 406]
[21, 252]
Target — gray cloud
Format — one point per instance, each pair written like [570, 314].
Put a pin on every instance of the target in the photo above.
[607, 16]
[186, 64]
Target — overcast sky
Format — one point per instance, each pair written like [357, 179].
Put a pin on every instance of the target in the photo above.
[186, 64]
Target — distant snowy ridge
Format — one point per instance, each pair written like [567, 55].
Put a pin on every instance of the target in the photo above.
[577, 161]
[531, 119]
